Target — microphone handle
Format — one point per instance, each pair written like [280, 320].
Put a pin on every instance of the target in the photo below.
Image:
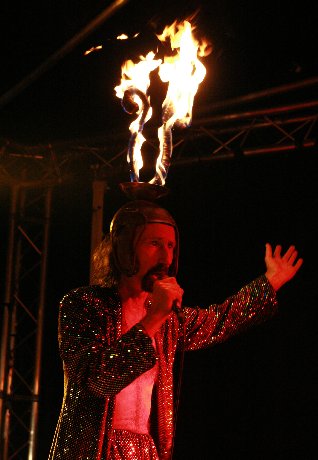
[175, 307]
[178, 311]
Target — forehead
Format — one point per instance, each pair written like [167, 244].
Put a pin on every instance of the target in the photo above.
[160, 231]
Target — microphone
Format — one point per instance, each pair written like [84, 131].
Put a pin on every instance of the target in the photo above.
[160, 273]
[178, 311]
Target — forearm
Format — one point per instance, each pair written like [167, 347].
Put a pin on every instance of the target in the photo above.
[107, 369]
[253, 304]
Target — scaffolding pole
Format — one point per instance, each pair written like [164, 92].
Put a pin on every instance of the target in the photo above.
[6, 319]
[22, 325]
[98, 188]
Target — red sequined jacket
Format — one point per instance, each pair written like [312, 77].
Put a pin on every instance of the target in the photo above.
[99, 361]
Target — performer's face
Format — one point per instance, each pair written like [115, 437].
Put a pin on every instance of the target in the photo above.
[155, 251]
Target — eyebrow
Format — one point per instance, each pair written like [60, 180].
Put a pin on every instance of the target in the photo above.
[157, 238]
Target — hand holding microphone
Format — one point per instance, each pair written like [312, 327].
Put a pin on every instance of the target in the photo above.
[166, 297]
[169, 294]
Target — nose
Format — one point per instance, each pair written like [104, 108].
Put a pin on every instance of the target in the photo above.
[166, 254]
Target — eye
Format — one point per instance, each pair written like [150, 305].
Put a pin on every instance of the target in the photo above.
[171, 245]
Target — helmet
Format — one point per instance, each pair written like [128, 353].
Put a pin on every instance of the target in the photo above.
[126, 229]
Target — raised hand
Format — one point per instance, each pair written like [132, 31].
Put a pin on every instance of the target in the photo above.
[281, 268]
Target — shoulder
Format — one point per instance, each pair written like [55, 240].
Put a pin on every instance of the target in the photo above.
[93, 296]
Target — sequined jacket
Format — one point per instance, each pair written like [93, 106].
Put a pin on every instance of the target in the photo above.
[99, 361]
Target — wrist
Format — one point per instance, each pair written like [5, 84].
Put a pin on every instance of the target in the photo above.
[151, 324]
[275, 282]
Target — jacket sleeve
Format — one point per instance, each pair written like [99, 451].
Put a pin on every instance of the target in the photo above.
[91, 358]
[253, 304]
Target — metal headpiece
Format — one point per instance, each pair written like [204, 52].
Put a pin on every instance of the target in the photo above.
[127, 227]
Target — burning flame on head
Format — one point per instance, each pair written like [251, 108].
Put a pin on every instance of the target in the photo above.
[132, 91]
[183, 72]
[137, 75]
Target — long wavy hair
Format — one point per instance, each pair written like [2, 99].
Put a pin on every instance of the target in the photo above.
[104, 271]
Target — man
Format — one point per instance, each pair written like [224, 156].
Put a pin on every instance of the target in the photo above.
[119, 337]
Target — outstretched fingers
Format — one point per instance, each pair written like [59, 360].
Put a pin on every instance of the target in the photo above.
[291, 255]
[268, 250]
[298, 265]
[277, 251]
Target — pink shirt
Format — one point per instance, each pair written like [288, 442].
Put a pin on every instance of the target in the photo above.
[133, 403]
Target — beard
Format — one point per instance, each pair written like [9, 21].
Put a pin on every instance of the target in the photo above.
[158, 272]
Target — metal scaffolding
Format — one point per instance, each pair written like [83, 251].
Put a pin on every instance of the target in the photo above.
[30, 180]
[22, 325]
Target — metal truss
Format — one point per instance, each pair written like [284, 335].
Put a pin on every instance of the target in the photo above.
[30, 175]
[282, 119]
[22, 312]
[279, 120]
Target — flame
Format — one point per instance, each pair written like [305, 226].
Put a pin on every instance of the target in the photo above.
[183, 72]
[125, 37]
[122, 37]
[136, 77]
[92, 49]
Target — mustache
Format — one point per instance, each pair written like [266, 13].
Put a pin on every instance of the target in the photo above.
[158, 272]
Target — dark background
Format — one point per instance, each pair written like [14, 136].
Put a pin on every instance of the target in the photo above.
[254, 396]
[256, 45]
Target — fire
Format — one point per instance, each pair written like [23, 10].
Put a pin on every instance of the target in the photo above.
[125, 37]
[122, 37]
[93, 49]
[137, 75]
[183, 71]
[132, 91]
